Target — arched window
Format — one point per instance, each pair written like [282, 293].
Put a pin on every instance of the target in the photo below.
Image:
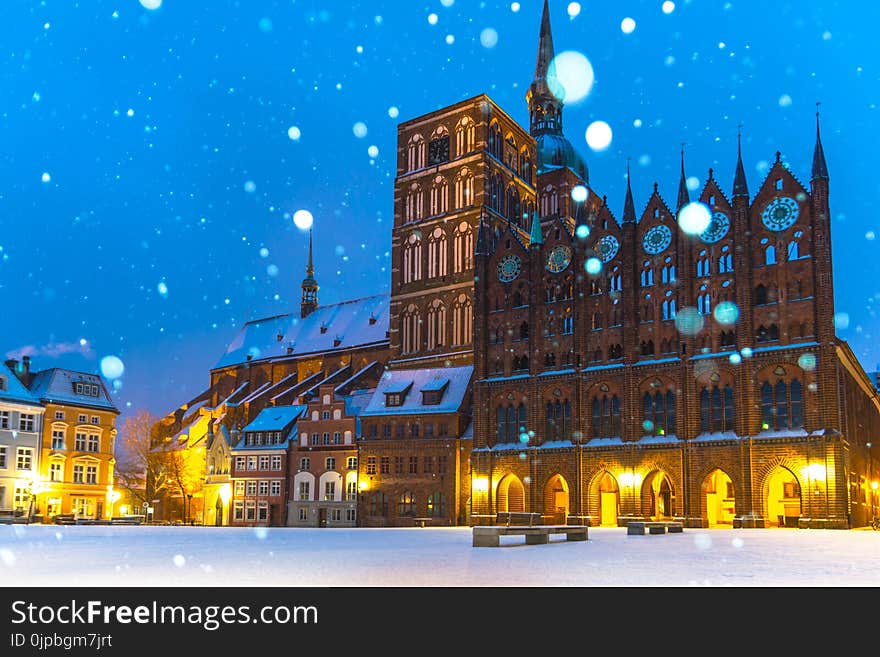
[667, 274]
[462, 321]
[647, 278]
[606, 417]
[496, 144]
[464, 189]
[782, 405]
[668, 307]
[558, 420]
[725, 263]
[716, 409]
[525, 165]
[415, 153]
[464, 136]
[439, 196]
[704, 303]
[414, 206]
[412, 259]
[437, 253]
[412, 326]
[647, 348]
[770, 255]
[437, 325]
[615, 352]
[703, 266]
[463, 248]
[514, 212]
[378, 504]
[659, 413]
[549, 202]
[793, 252]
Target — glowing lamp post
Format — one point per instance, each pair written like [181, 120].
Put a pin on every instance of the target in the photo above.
[225, 495]
[113, 497]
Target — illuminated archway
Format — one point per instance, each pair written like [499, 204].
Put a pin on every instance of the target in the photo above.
[658, 496]
[556, 501]
[511, 496]
[782, 491]
[609, 500]
[719, 498]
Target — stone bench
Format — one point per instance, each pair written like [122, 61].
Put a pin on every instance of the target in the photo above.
[640, 528]
[490, 535]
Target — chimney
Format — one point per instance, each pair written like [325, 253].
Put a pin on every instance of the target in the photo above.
[26, 365]
[21, 370]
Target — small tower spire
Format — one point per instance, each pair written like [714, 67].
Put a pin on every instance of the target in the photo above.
[309, 286]
[629, 208]
[740, 188]
[820, 170]
[536, 238]
[482, 246]
[683, 197]
[545, 107]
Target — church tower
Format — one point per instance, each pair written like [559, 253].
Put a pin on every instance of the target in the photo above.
[309, 286]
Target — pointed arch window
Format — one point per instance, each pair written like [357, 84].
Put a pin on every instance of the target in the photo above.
[439, 196]
[659, 412]
[464, 136]
[415, 153]
[606, 416]
[558, 420]
[437, 253]
[412, 259]
[464, 189]
[668, 308]
[514, 210]
[462, 321]
[414, 207]
[704, 303]
[782, 405]
[412, 326]
[463, 248]
[770, 255]
[667, 274]
[437, 325]
[496, 144]
[716, 409]
[549, 202]
[525, 165]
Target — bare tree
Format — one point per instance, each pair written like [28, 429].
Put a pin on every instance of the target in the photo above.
[185, 473]
[140, 467]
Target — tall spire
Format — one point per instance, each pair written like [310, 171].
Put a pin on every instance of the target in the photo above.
[740, 188]
[536, 238]
[683, 197]
[309, 286]
[545, 105]
[820, 170]
[629, 208]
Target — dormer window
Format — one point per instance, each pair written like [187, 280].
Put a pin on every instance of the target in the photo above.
[396, 393]
[372, 319]
[2, 383]
[394, 399]
[87, 389]
[323, 329]
[432, 392]
[337, 341]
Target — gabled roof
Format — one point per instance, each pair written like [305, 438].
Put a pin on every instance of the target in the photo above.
[417, 381]
[56, 386]
[276, 418]
[338, 326]
[14, 390]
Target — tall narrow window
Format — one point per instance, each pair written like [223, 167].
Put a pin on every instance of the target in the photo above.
[464, 136]
[464, 189]
[463, 248]
[436, 324]
[437, 253]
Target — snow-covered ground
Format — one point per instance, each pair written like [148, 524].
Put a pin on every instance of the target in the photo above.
[204, 556]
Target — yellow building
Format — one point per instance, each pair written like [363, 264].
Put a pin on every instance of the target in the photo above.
[77, 456]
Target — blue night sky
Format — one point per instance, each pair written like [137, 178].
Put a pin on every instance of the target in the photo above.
[149, 178]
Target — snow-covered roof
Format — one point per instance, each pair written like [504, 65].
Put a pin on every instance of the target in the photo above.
[334, 327]
[14, 390]
[417, 381]
[275, 418]
[658, 440]
[605, 442]
[57, 386]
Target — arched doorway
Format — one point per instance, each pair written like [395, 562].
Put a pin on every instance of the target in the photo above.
[556, 500]
[783, 494]
[720, 500]
[658, 496]
[511, 496]
[609, 500]
[218, 512]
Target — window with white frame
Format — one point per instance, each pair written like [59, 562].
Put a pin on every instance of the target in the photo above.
[351, 491]
[335, 515]
[95, 419]
[276, 462]
[250, 511]
[264, 463]
[21, 497]
[330, 464]
[275, 488]
[4, 419]
[239, 487]
[26, 422]
[92, 474]
[337, 438]
[251, 488]
[303, 515]
[350, 515]
[83, 506]
[325, 438]
[351, 463]
[78, 473]
[3, 456]
[304, 464]
[56, 471]
[93, 442]
[240, 462]
[238, 513]
[24, 459]
[315, 437]
[79, 443]
[305, 492]
[263, 511]
[325, 415]
[59, 415]
[262, 488]
[329, 490]
[82, 417]
[251, 462]
[58, 438]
